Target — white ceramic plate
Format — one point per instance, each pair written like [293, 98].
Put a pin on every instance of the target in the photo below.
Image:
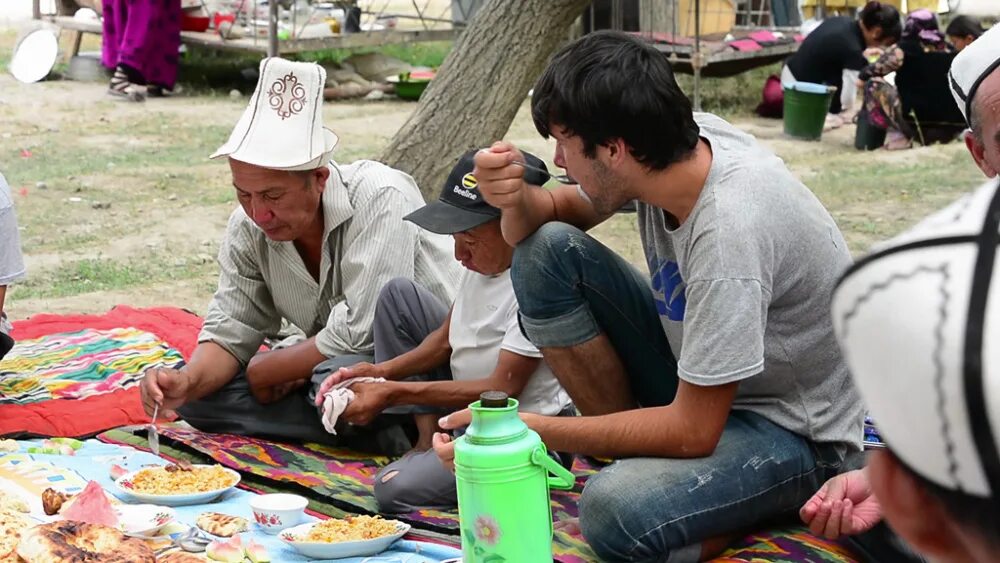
[340, 550]
[143, 519]
[124, 485]
[34, 56]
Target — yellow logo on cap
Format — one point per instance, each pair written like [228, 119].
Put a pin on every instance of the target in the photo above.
[469, 181]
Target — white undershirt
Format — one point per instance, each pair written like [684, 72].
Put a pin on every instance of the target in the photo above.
[483, 322]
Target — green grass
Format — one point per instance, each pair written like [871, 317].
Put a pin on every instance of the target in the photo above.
[734, 96]
[206, 73]
[430, 53]
[102, 274]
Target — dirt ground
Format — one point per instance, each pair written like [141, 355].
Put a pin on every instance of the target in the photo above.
[118, 202]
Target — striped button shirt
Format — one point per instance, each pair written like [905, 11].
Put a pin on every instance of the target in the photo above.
[11, 261]
[366, 244]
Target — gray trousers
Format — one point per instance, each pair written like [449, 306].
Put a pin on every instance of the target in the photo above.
[405, 314]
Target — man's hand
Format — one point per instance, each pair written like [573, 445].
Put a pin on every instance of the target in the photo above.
[167, 387]
[370, 399]
[275, 393]
[364, 369]
[500, 182]
[444, 447]
[456, 420]
[844, 505]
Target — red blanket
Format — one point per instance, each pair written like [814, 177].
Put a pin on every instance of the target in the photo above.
[93, 413]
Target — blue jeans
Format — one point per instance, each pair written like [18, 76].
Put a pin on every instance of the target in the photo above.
[656, 509]
[570, 288]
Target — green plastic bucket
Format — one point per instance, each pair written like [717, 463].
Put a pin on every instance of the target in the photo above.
[805, 107]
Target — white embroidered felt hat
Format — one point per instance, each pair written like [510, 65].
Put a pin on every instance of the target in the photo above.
[282, 127]
[972, 66]
[919, 323]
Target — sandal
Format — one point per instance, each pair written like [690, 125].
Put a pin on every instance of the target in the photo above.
[121, 87]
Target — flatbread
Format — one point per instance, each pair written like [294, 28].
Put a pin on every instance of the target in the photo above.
[68, 540]
[222, 525]
[12, 525]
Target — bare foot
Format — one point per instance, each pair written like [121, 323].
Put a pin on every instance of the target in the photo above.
[426, 427]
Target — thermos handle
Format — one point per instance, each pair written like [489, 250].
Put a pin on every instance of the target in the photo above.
[560, 478]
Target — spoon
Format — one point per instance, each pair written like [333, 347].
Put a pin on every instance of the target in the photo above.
[561, 178]
[192, 540]
[153, 437]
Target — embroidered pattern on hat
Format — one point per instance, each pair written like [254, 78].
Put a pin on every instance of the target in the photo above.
[287, 96]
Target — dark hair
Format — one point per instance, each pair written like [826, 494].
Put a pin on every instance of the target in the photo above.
[609, 85]
[883, 16]
[964, 26]
[977, 514]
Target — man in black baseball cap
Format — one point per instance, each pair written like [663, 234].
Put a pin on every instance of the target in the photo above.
[475, 346]
[461, 207]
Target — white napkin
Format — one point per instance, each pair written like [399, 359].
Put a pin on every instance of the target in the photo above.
[335, 400]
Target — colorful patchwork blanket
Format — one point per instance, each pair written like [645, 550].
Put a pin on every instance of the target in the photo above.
[343, 479]
[76, 375]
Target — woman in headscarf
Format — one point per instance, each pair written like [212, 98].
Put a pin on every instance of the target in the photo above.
[141, 42]
[881, 101]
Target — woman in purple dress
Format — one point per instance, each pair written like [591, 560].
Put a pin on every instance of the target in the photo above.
[141, 39]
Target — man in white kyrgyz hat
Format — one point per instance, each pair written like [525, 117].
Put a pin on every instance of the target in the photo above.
[854, 502]
[975, 84]
[311, 243]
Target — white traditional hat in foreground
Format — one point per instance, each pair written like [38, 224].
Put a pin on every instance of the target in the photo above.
[919, 324]
[972, 66]
[282, 127]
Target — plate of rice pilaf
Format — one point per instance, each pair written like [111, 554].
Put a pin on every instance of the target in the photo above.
[353, 536]
[172, 485]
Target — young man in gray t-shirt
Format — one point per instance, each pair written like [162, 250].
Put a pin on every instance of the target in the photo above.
[757, 410]
[11, 262]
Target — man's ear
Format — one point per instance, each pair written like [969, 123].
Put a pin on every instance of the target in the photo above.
[978, 153]
[915, 515]
[321, 175]
[617, 150]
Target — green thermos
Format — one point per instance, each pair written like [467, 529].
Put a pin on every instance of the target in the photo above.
[502, 473]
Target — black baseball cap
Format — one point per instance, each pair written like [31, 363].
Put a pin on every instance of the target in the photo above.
[461, 207]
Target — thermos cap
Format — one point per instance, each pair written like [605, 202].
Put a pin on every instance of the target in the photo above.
[493, 400]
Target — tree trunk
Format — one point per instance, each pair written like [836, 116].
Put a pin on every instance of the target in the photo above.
[479, 87]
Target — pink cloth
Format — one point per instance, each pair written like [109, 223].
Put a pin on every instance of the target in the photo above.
[143, 35]
[763, 36]
[745, 45]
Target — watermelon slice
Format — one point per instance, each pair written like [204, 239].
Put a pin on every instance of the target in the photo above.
[422, 75]
[227, 551]
[92, 506]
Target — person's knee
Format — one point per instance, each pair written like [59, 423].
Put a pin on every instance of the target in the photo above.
[611, 520]
[399, 489]
[388, 490]
[602, 521]
[539, 255]
[395, 290]
[549, 237]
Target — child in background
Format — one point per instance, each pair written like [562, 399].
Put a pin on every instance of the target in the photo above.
[11, 262]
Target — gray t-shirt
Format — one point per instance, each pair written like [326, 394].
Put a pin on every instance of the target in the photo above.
[11, 262]
[743, 289]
